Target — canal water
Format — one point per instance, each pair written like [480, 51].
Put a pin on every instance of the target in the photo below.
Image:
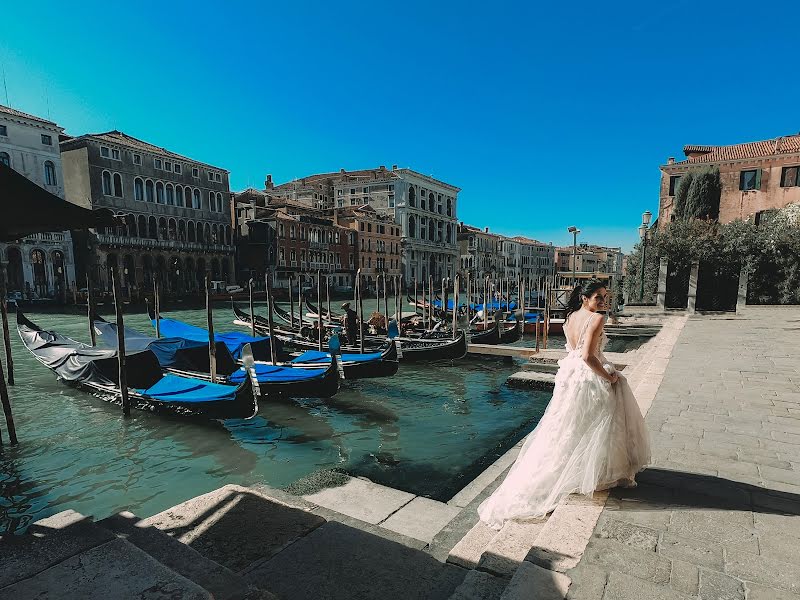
[428, 430]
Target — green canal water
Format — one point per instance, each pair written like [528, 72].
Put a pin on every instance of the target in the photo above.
[428, 430]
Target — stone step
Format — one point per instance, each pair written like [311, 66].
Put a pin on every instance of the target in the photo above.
[67, 556]
[223, 583]
[532, 582]
[468, 552]
[540, 367]
[478, 585]
[509, 546]
[532, 380]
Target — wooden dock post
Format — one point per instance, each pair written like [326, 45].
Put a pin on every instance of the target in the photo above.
[90, 310]
[212, 346]
[328, 296]
[268, 283]
[385, 304]
[6, 333]
[521, 297]
[455, 307]
[123, 373]
[252, 312]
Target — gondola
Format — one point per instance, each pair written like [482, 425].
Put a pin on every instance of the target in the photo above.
[188, 356]
[416, 349]
[489, 336]
[355, 366]
[511, 335]
[149, 388]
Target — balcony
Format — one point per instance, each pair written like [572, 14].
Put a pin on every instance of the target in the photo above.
[45, 237]
[319, 245]
[150, 244]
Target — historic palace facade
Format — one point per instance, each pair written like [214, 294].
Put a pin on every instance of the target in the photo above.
[176, 210]
[41, 265]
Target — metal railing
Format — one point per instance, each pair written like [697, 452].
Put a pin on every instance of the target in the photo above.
[120, 240]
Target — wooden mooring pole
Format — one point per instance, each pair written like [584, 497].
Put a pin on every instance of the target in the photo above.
[90, 310]
[319, 310]
[360, 312]
[455, 307]
[6, 333]
[268, 282]
[252, 312]
[385, 304]
[157, 306]
[291, 301]
[123, 373]
[212, 346]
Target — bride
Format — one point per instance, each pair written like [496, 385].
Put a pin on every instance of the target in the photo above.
[592, 435]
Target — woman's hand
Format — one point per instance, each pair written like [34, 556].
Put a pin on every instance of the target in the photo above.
[613, 377]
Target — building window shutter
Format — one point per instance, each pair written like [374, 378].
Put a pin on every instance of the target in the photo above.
[758, 179]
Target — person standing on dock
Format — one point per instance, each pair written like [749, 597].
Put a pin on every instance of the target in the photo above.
[350, 322]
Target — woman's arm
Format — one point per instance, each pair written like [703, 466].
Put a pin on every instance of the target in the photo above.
[593, 333]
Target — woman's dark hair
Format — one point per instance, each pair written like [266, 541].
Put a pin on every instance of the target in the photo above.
[576, 297]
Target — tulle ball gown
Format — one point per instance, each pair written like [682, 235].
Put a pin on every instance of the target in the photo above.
[592, 437]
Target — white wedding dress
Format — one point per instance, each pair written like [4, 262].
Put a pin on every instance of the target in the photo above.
[591, 437]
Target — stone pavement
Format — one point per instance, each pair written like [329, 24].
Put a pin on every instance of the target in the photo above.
[716, 516]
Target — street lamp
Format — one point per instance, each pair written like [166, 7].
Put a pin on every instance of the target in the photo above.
[644, 229]
[574, 231]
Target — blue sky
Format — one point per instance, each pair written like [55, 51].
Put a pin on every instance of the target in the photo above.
[545, 114]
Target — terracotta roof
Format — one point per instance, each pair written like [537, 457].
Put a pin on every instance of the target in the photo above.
[123, 139]
[18, 113]
[781, 145]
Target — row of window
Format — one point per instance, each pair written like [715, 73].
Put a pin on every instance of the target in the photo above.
[434, 203]
[750, 179]
[380, 263]
[158, 163]
[158, 192]
[47, 140]
[49, 168]
[327, 258]
[172, 229]
[313, 234]
[379, 228]
[435, 231]
[380, 246]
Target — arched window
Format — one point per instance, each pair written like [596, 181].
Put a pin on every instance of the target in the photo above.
[199, 233]
[187, 197]
[412, 196]
[212, 202]
[431, 202]
[190, 232]
[173, 229]
[214, 234]
[207, 233]
[5, 158]
[182, 230]
[170, 195]
[138, 190]
[160, 193]
[39, 272]
[162, 228]
[149, 195]
[152, 228]
[449, 207]
[106, 183]
[422, 201]
[431, 230]
[179, 195]
[412, 226]
[118, 185]
[50, 173]
[130, 225]
[219, 203]
[142, 226]
[196, 199]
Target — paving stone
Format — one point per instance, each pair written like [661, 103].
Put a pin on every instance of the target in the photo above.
[730, 528]
[769, 524]
[684, 578]
[763, 570]
[718, 586]
[625, 587]
[781, 475]
[627, 533]
[337, 562]
[46, 543]
[613, 556]
[422, 518]
[697, 551]
[532, 581]
[478, 585]
[115, 569]
[761, 592]
[588, 582]
[510, 546]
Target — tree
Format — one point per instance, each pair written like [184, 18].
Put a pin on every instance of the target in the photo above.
[703, 195]
[679, 204]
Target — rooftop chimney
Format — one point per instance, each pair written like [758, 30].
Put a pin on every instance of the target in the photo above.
[268, 183]
[342, 171]
[382, 167]
[486, 230]
[671, 160]
[394, 167]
